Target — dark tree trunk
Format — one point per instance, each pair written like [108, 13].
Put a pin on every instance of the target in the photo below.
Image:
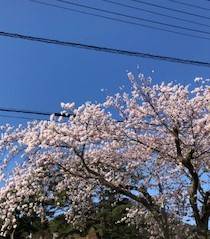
[202, 231]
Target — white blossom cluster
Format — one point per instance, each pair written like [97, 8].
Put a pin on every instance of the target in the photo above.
[152, 153]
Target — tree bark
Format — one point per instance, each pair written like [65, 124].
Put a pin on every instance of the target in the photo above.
[202, 231]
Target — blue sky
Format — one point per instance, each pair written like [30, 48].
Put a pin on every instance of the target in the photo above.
[36, 76]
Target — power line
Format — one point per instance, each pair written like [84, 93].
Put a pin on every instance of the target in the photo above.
[133, 17]
[105, 49]
[31, 112]
[18, 117]
[171, 9]
[190, 5]
[156, 13]
[119, 20]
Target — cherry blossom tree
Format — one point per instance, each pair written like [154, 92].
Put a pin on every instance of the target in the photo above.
[151, 145]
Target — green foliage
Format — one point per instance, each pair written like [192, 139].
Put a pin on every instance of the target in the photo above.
[104, 221]
[110, 211]
[28, 224]
[60, 226]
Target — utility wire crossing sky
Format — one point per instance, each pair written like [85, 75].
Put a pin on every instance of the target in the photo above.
[161, 25]
[32, 113]
[105, 49]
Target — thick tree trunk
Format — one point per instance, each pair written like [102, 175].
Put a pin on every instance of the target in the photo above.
[202, 231]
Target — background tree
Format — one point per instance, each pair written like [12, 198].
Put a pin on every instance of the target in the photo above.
[155, 152]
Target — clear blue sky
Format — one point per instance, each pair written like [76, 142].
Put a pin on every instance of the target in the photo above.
[38, 77]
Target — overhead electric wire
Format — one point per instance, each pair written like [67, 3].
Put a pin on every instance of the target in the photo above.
[104, 49]
[120, 20]
[171, 9]
[31, 112]
[190, 5]
[156, 13]
[19, 117]
[133, 17]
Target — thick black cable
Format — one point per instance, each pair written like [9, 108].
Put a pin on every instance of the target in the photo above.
[104, 49]
[170, 9]
[31, 112]
[156, 13]
[190, 5]
[120, 20]
[133, 17]
[19, 117]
